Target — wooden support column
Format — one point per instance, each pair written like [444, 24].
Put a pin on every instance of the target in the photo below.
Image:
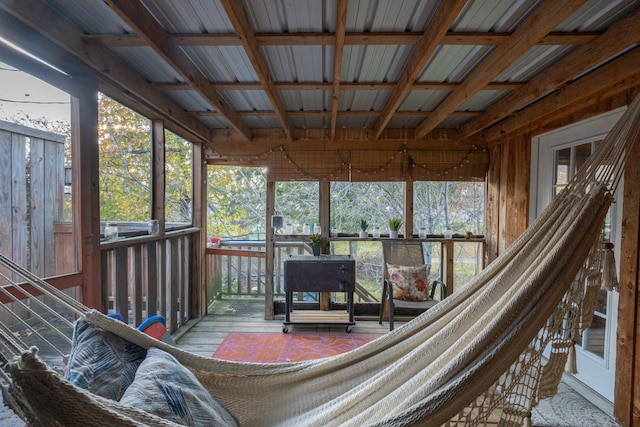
[86, 193]
[270, 249]
[323, 214]
[408, 209]
[627, 389]
[447, 264]
[157, 209]
[157, 173]
[492, 205]
[199, 242]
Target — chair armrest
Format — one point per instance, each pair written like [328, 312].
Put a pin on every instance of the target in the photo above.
[387, 289]
[435, 285]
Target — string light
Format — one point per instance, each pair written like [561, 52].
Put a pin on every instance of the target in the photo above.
[411, 163]
[466, 159]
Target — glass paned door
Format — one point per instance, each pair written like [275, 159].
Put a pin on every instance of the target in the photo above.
[556, 158]
[567, 162]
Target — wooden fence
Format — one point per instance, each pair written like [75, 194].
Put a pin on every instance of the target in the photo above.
[31, 197]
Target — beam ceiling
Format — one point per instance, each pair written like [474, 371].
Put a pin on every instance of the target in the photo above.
[339, 74]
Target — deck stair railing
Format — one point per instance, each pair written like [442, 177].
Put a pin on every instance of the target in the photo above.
[237, 268]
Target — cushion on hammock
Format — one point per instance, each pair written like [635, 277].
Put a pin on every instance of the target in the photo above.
[102, 362]
[165, 388]
[409, 283]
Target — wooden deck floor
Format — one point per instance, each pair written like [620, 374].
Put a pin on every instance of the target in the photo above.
[232, 315]
[568, 408]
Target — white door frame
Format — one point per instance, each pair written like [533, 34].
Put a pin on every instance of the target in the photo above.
[594, 372]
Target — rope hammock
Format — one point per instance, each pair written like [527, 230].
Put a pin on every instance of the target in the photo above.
[475, 356]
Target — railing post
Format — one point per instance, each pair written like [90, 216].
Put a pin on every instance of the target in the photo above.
[325, 297]
[216, 273]
[121, 300]
[136, 286]
[269, 249]
[152, 278]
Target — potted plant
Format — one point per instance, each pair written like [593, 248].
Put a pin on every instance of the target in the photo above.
[363, 228]
[394, 227]
[315, 240]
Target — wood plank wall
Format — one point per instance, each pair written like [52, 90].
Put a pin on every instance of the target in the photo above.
[627, 390]
[507, 197]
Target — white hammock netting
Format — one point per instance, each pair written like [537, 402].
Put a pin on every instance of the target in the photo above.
[474, 357]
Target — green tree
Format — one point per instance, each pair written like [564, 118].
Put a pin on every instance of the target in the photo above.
[458, 205]
[236, 202]
[376, 202]
[297, 202]
[124, 139]
[178, 179]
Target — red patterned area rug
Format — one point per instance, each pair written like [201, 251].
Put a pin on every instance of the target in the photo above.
[290, 347]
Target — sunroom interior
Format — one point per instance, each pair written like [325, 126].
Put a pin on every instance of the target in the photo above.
[326, 93]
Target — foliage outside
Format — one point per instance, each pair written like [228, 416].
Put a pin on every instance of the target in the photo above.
[237, 198]
[178, 179]
[456, 205]
[374, 202]
[124, 138]
[237, 210]
[236, 202]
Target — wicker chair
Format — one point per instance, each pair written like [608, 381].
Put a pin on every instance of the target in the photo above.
[405, 253]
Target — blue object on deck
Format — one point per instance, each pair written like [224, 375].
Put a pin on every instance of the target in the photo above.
[156, 327]
[151, 320]
[116, 316]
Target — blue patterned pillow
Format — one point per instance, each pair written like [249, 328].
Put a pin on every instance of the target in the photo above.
[165, 388]
[102, 362]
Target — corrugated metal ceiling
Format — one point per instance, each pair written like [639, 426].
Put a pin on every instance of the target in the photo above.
[312, 61]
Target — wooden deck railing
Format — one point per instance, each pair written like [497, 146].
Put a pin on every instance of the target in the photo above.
[147, 275]
[237, 268]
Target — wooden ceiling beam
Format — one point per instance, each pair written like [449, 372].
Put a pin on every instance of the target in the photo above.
[388, 38]
[228, 142]
[239, 20]
[442, 20]
[341, 20]
[615, 40]
[609, 79]
[145, 25]
[329, 86]
[541, 22]
[46, 51]
[309, 113]
[41, 19]
[328, 39]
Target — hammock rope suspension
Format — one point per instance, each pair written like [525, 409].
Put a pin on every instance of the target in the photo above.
[475, 356]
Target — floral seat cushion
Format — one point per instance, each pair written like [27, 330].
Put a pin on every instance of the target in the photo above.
[409, 283]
